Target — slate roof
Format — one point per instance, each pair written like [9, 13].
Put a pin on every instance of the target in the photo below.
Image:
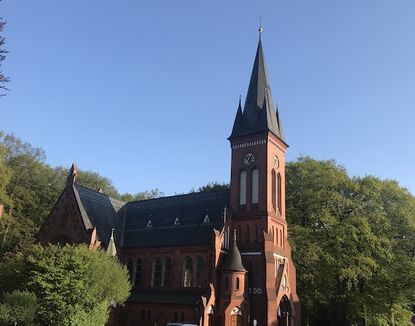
[98, 210]
[233, 259]
[259, 113]
[190, 210]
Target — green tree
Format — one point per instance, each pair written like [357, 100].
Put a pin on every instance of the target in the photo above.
[143, 195]
[73, 285]
[343, 233]
[213, 186]
[3, 52]
[18, 308]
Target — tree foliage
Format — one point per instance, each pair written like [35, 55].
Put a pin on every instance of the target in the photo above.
[72, 285]
[3, 79]
[350, 245]
[18, 308]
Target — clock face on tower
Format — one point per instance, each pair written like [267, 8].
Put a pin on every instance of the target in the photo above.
[249, 159]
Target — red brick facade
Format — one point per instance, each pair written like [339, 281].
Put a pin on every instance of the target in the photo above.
[183, 261]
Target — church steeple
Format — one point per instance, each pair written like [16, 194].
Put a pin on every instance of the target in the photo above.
[259, 112]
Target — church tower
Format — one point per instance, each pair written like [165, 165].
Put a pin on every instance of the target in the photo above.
[258, 203]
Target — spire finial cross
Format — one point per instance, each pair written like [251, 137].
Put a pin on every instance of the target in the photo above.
[260, 29]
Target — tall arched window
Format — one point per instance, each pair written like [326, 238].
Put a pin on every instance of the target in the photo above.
[279, 192]
[255, 186]
[199, 272]
[166, 272]
[236, 317]
[138, 272]
[156, 272]
[242, 188]
[187, 272]
[237, 283]
[274, 189]
[130, 267]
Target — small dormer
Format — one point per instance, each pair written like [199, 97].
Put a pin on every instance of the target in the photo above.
[206, 219]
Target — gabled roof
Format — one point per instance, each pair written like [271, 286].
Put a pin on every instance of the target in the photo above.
[190, 209]
[259, 113]
[98, 210]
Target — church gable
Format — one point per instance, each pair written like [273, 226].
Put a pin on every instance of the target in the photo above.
[65, 223]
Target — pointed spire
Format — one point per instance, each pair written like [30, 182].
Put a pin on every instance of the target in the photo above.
[73, 172]
[111, 249]
[259, 112]
[233, 260]
[238, 123]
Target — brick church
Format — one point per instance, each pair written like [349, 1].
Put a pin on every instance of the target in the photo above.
[210, 258]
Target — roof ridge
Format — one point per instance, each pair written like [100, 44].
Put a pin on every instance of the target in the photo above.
[100, 193]
[179, 195]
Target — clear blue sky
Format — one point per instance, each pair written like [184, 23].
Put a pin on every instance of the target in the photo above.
[145, 92]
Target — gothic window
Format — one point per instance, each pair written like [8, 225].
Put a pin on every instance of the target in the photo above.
[236, 320]
[130, 267]
[273, 234]
[237, 283]
[242, 188]
[166, 272]
[279, 192]
[281, 238]
[210, 320]
[199, 272]
[187, 272]
[274, 189]
[156, 272]
[255, 186]
[138, 272]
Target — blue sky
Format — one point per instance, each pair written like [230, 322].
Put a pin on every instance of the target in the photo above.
[145, 92]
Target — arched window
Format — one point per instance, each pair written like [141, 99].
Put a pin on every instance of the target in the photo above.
[166, 272]
[236, 317]
[156, 272]
[281, 238]
[210, 319]
[279, 192]
[138, 272]
[276, 236]
[255, 186]
[130, 267]
[273, 235]
[247, 234]
[274, 189]
[242, 188]
[199, 272]
[237, 283]
[187, 272]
